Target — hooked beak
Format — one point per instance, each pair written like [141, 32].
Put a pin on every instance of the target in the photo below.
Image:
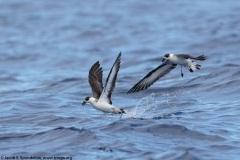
[83, 103]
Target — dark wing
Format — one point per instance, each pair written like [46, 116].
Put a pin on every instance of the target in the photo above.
[110, 82]
[200, 58]
[95, 80]
[153, 76]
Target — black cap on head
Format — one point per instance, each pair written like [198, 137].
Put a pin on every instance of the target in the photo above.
[166, 55]
[85, 100]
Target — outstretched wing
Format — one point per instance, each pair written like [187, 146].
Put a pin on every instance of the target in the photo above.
[153, 76]
[200, 58]
[95, 80]
[110, 82]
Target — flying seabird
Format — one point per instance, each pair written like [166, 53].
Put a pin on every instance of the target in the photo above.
[101, 99]
[170, 61]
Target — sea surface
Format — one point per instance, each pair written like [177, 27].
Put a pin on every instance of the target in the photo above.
[47, 48]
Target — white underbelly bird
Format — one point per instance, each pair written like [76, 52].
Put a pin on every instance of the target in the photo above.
[101, 99]
[170, 61]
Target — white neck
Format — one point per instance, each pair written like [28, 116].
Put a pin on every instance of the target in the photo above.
[92, 100]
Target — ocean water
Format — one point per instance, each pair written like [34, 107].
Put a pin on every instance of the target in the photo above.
[47, 48]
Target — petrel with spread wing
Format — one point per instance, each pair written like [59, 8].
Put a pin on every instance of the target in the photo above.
[101, 99]
[170, 61]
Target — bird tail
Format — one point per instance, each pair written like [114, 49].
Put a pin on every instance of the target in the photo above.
[200, 58]
[118, 111]
[122, 111]
[192, 66]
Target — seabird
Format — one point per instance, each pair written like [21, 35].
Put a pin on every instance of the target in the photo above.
[101, 99]
[170, 61]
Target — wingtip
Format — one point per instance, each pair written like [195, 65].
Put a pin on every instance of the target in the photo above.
[134, 89]
[129, 92]
[205, 57]
[202, 57]
[94, 66]
[119, 57]
[120, 53]
[97, 63]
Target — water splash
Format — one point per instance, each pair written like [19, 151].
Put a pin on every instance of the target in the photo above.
[147, 106]
[143, 109]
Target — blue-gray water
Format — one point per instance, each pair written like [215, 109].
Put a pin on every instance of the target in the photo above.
[47, 48]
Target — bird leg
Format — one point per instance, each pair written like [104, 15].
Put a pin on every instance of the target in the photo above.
[105, 115]
[181, 72]
[120, 116]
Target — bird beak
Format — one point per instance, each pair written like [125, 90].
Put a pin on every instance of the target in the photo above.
[83, 103]
[163, 59]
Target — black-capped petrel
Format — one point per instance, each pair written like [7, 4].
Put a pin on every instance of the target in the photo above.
[170, 61]
[101, 99]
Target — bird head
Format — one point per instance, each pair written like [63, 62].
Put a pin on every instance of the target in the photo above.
[85, 100]
[165, 57]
